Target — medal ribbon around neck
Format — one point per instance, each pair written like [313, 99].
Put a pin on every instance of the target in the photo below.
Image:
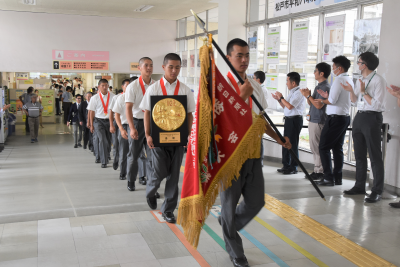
[165, 90]
[236, 86]
[142, 85]
[102, 102]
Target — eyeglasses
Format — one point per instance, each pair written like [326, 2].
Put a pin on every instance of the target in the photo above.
[315, 71]
[360, 62]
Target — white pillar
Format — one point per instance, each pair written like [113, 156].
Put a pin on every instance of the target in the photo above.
[389, 57]
[231, 20]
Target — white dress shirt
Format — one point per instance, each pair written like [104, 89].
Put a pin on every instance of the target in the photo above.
[119, 107]
[96, 105]
[257, 93]
[338, 97]
[155, 89]
[134, 94]
[297, 100]
[376, 89]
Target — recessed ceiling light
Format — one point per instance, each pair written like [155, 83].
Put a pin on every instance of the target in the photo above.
[143, 8]
[29, 2]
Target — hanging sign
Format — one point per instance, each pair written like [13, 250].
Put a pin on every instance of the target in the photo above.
[285, 7]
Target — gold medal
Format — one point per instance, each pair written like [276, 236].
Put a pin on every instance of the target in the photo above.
[169, 114]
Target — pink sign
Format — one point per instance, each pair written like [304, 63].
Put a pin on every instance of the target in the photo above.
[81, 55]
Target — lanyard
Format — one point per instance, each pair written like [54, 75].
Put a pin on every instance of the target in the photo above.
[102, 102]
[142, 85]
[236, 86]
[165, 91]
[367, 85]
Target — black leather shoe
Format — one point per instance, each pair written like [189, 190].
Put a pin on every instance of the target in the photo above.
[75, 146]
[79, 145]
[152, 201]
[157, 195]
[373, 198]
[115, 165]
[131, 186]
[169, 217]
[326, 182]
[122, 177]
[354, 191]
[104, 165]
[281, 169]
[395, 205]
[109, 157]
[142, 181]
[338, 181]
[220, 222]
[316, 176]
[240, 262]
[84, 147]
[287, 172]
[97, 161]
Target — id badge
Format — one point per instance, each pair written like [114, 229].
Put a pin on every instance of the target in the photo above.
[360, 105]
[308, 117]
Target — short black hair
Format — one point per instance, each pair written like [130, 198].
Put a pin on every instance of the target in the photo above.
[325, 68]
[143, 59]
[342, 61]
[125, 81]
[132, 79]
[30, 89]
[103, 81]
[78, 95]
[68, 88]
[120, 91]
[233, 42]
[171, 56]
[260, 75]
[110, 86]
[56, 86]
[370, 60]
[294, 77]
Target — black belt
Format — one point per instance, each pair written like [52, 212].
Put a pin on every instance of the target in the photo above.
[291, 117]
[33, 117]
[101, 119]
[334, 116]
[137, 119]
[369, 111]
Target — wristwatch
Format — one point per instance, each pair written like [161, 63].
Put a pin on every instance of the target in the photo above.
[308, 96]
[365, 93]
[280, 99]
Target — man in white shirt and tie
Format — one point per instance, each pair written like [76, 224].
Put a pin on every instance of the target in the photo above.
[99, 121]
[135, 115]
[293, 108]
[369, 94]
[334, 131]
[166, 161]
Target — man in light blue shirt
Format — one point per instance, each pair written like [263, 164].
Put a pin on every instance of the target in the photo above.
[66, 99]
[293, 108]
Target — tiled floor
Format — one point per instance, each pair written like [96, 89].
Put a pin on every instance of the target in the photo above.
[59, 208]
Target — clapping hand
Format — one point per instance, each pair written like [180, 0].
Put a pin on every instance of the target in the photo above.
[394, 91]
[347, 87]
[323, 93]
[277, 96]
[305, 92]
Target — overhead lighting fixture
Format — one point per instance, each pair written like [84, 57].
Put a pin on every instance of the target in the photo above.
[29, 2]
[143, 8]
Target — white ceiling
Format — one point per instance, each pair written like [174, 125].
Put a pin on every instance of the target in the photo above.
[163, 9]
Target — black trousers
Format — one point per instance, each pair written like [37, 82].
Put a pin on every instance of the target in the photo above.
[66, 106]
[26, 124]
[292, 130]
[58, 111]
[332, 138]
[367, 137]
[86, 135]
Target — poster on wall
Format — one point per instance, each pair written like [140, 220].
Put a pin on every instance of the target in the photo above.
[303, 80]
[18, 103]
[284, 7]
[184, 64]
[271, 81]
[252, 41]
[366, 36]
[47, 102]
[22, 75]
[273, 45]
[333, 43]
[299, 50]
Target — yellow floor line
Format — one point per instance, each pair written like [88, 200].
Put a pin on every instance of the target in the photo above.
[291, 243]
[336, 242]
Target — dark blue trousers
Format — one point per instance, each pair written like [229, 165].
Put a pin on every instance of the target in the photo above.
[292, 130]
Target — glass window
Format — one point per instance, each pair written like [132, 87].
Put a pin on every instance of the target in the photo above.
[213, 19]
[182, 27]
[271, 8]
[202, 16]
[257, 10]
[372, 11]
[256, 43]
[190, 26]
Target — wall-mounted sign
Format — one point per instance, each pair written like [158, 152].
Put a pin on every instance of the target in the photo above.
[285, 7]
[98, 77]
[79, 65]
[81, 55]
[134, 66]
[56, 76]
[22, 75]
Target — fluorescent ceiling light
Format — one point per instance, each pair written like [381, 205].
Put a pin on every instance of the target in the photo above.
[143, 8]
